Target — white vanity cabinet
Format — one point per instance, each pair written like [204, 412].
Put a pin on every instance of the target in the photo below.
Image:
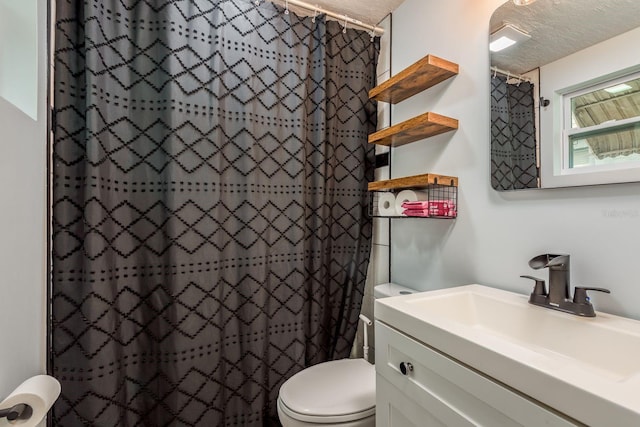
[439, 391]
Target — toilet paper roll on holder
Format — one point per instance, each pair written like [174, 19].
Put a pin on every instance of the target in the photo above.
[21, 411]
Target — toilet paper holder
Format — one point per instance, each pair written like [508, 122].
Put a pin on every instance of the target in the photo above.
[21, 411]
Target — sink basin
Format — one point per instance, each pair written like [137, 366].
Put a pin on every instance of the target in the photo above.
[598, 345]
[587, 368]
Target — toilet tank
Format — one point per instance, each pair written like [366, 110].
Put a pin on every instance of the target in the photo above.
[391, 290]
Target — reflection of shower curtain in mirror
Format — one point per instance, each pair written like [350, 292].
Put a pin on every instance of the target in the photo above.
[513, 135]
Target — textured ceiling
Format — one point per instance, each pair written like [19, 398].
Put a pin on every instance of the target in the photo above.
[367, 11]
[559, 28]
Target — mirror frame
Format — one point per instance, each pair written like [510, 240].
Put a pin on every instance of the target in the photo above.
[601, 62]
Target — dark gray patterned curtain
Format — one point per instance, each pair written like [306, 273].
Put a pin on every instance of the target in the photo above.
[209, 186]
[513, 135]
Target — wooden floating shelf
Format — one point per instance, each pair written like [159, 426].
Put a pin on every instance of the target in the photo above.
[427, 72]
[424, 180]
[421, 127]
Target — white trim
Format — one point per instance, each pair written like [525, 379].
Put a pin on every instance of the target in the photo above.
[571, 74]
[568, 130]
[605, 81]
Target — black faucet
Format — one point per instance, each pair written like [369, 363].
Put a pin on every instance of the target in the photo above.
[559, 280]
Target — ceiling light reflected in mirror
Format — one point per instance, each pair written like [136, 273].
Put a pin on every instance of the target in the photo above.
[506, 36]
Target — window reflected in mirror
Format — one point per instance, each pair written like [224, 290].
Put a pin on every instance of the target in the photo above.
[603, 124]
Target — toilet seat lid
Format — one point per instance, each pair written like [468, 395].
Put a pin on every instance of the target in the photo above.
[336, 388]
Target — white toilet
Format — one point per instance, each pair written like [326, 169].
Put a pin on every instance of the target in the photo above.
[337, 393]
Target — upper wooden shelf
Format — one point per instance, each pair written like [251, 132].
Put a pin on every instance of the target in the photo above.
[425, 73]
[421, 127]
[424, 180]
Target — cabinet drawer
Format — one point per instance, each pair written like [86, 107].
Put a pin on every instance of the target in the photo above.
[450, 392]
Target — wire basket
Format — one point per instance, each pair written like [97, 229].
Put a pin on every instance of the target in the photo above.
[434, 201]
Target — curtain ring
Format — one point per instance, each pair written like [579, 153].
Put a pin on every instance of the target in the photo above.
[257, 2]
[344, 29]
[286, 7]
[495, 72]
[372, 34]
[315, 13]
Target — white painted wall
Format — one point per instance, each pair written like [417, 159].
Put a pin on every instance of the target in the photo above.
[22, 220]
[497, 233]
[19, 54]
[603, 61]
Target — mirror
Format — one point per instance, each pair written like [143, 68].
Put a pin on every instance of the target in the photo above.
[565, 93]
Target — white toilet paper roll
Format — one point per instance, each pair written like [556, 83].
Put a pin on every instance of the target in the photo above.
[39, 392]
[386, 204]
[409, 196]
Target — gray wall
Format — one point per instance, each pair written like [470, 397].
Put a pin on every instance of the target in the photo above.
[496, 233]
[23, 217]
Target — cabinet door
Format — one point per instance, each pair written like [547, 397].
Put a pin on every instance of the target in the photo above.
[394, 409]
[449, 394]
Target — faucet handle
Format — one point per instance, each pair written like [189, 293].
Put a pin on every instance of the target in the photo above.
[580, 295]
[539, 288]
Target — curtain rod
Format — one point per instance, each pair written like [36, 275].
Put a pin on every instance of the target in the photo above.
[509, 74]
[341, 17]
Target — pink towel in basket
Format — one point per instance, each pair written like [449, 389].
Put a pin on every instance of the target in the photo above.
[429, 208]
[416, 205]
[416, 212]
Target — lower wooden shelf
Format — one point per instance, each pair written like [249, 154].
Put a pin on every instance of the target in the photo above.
[429, 198]
[418, 181]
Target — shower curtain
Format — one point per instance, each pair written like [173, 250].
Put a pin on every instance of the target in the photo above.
[209, 176]
[513, 135]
